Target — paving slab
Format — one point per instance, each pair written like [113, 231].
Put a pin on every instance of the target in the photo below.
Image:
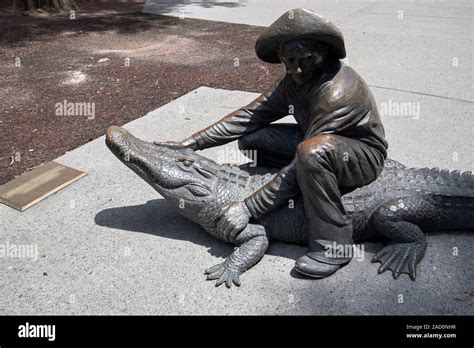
[109, 244]
[253, 12]
[418, 46]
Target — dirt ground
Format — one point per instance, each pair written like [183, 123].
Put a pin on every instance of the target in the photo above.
[120, 61]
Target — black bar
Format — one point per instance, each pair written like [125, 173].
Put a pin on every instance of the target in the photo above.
[241, 330]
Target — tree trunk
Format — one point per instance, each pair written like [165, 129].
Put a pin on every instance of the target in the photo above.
[33, 5]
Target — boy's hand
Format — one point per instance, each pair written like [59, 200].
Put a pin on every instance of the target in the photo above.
[187, 143]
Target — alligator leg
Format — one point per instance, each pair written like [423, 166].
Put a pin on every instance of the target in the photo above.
[253, 243]
[395, 220]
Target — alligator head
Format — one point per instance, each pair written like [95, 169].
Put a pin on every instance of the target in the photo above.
[180, 175]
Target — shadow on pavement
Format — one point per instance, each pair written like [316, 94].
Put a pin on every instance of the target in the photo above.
[158, 218]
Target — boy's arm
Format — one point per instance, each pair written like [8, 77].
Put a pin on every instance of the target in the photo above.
[268, 107]
[274, 193]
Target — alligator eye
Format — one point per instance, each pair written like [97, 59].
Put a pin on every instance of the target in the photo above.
[187, 163]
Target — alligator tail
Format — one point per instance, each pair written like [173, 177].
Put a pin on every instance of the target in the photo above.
[453, 193]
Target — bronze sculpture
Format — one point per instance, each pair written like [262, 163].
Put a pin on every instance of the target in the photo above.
[396, 208]
[337, 145]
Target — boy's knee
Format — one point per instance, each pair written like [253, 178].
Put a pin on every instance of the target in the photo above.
[315, 153]
[247, 142]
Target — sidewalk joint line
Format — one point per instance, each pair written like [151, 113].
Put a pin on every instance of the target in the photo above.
[425, 94]
[421, 16]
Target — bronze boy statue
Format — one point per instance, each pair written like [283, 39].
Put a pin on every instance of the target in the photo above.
[336, 146]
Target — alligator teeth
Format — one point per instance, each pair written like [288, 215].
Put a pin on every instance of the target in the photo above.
[444, 173]
[466, 176]
[456, 175]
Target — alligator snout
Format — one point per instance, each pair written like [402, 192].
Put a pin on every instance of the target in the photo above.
[113, 130]
[142, 157]
[116, 139]
[127, 147]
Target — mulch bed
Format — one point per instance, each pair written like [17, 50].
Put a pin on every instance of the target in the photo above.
[86, 60]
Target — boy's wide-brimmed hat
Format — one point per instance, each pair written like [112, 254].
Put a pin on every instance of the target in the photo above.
[299, 23]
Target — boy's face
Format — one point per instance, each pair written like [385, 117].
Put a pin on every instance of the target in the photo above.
[301, 66]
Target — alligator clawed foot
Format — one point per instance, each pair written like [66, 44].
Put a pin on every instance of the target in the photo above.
[400, 257]
[224, 274]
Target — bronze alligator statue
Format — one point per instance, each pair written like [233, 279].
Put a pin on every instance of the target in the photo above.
[397, 207]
